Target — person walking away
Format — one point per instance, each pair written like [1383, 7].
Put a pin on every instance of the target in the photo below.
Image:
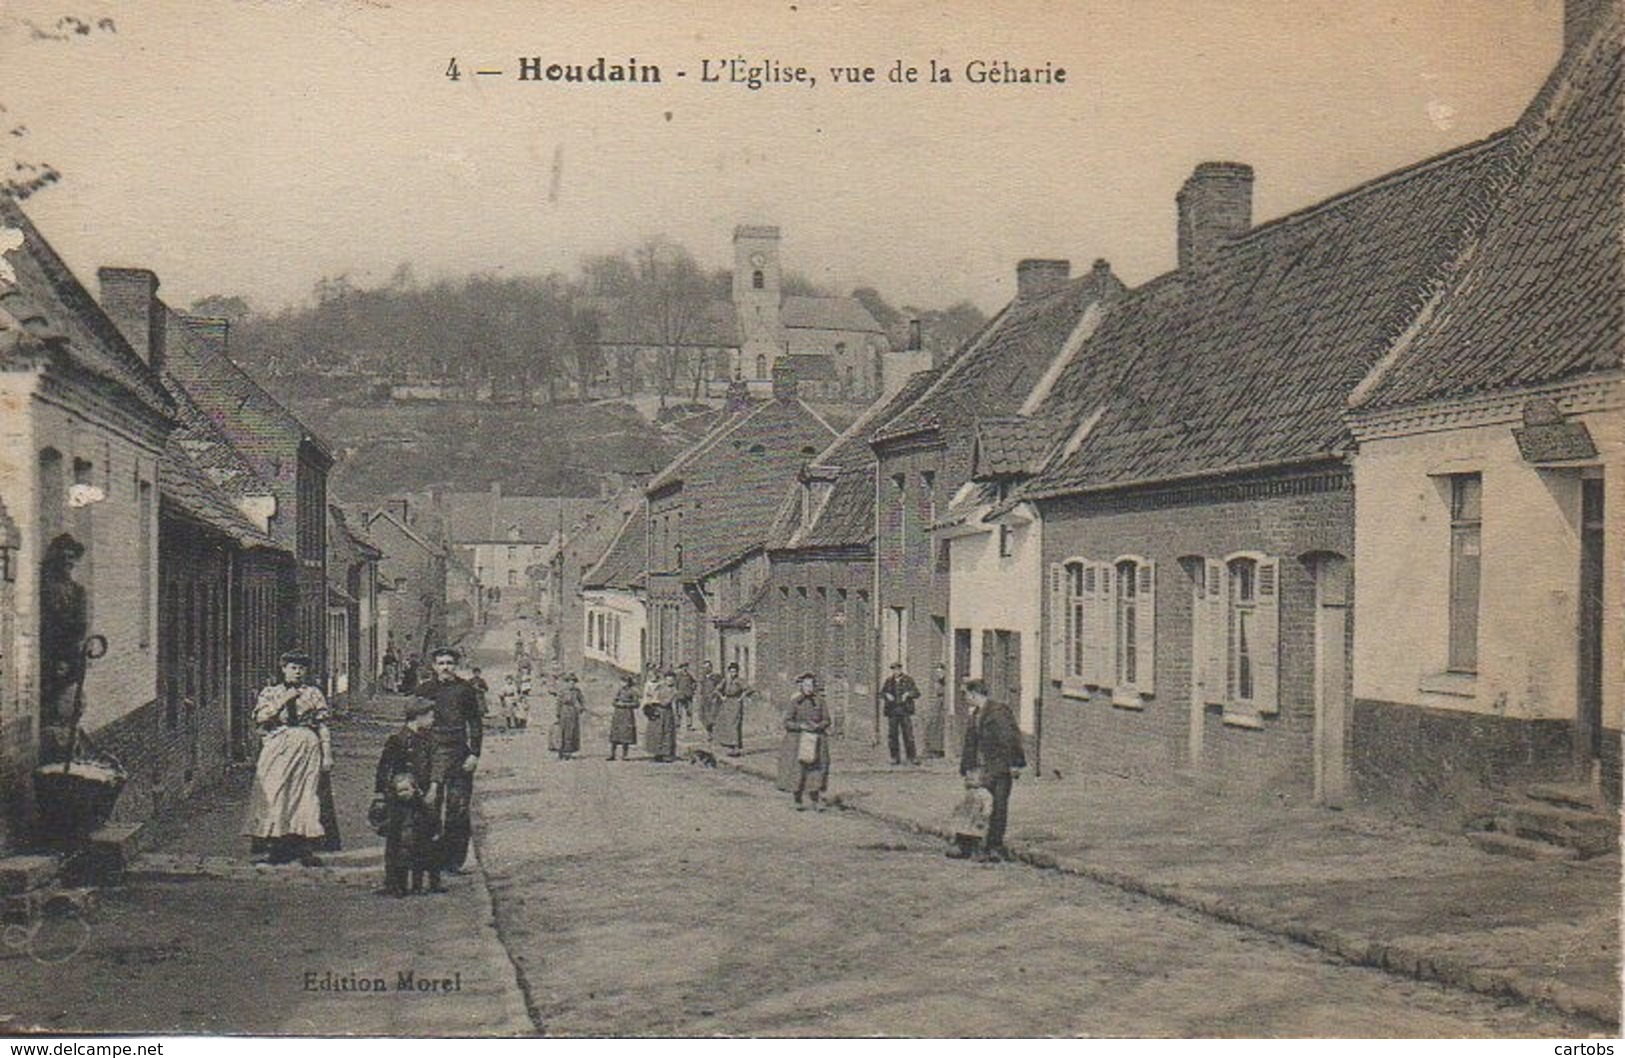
[732, 694]
[992, 757]
[285, 811]
[457, 733]
[897, 697]
[571, 705]
[708, 699]
[623, 721]
[683, 703]
[406, 793]
[936, 718]
[804, 761]
[660, 738]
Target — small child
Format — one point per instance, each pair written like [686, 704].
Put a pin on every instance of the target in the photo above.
[507, 701]
[404, 783]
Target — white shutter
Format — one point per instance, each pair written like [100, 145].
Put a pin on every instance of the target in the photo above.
[1215, 632]
[1267, 665]
[1088, 669]
[1105, 631]
[1057, 622]
[1145, 629]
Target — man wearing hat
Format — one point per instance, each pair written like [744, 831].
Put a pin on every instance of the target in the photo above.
[897, 697]
[804, 762]
[992, 757]
[456, 734]
[684, 702]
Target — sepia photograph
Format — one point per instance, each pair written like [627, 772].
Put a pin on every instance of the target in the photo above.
[914, 519]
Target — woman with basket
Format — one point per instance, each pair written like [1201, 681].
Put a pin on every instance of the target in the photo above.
[285, 809]
[804, 763]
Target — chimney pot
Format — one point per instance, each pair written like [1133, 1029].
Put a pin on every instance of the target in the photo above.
[130, 298]
[916, 339]
[1038, 275]
[1215, 205]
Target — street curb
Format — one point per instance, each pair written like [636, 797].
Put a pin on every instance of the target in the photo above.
[528, 1012]
[1358, 949]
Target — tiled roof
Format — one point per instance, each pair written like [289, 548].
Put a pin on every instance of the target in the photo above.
[1247, 359]
[827, 314]
[49, 304]
[996, 371]
[185, 486]
[811, 367]
[487, 517]
[209, 449]
[624, 322]
[847, 516]
[1008, 446]
[1538, 298]
[623, 563]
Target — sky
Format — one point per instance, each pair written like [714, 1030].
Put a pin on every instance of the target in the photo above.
[251, 147]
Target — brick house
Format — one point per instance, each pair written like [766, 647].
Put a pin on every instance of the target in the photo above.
[85, 427]
[412, 578]
[925, 451]
[713, 505]
[812, 607]
[1194, 510]
[352, 614]
[1488, 529]
[283, 452]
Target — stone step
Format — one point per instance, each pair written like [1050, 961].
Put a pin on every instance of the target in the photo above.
[25, 873]
[1494, 841]
[1589, 833]
[1570, 795]
[108, 852]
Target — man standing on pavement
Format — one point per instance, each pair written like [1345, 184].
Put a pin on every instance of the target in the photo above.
[684, 701]
[456, 733]
[709, 699]
[897, 697]
[992, 758]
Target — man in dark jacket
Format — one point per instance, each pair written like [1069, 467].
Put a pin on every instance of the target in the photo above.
[992, 757]
[684, 701]
[897, 697]
[457, 733]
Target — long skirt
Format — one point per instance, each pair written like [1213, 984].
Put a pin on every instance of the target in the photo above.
[730, 725]
[286, 797]
[569, 730]
[791, 770]
[660, 737]
[623, 727]
[708, 711]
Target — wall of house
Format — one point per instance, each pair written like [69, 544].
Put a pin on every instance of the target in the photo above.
[1287, 517]
[909, 573]
[858, 355]
[116, 453]
[993, 592]
[1450, 742]
[628, 614]
[815, 616]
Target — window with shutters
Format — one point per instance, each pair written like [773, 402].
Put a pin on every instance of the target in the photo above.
[1129, 655]
[1128, 576]
[1076, 574]
[1251, 592]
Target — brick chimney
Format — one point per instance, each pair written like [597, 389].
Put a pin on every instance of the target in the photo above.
[1215, 205]
[738, 397]
[212, 333]
[1579, 20]
[1037, 275]
[916, 340]
[130, 298]
[784, 382]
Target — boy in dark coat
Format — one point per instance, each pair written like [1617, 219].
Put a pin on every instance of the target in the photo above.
[405, 782]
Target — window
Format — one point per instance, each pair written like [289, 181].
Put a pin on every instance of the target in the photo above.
[536, 552]
[513, 578]
[1243, 628]
[1466, 525]
[1007, 540]
[1243, 636]
[928, 498]
[758, 281]
[900, 496]
[761, 365]
[1103, 627]
[513, 553]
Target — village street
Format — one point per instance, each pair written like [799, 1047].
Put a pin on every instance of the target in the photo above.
[646, 899]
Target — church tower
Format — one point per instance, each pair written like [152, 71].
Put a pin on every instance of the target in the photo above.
[757, 300]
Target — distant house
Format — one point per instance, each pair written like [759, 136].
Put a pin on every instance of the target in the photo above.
[352, 614]
[567, 569]
[1488, 645]
[412, 579]
[501, 537]
[713, 506]
[615, 616]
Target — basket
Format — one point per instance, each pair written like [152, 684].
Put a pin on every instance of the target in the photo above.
[78, 799]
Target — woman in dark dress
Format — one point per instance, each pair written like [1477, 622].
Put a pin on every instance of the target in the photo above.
[623, 722]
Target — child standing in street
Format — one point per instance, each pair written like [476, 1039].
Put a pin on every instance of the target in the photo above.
[404, 804]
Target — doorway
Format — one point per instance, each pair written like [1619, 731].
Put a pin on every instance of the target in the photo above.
[1588, 715]
[1331, 575]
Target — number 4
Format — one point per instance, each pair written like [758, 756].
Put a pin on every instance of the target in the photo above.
[452, 73]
